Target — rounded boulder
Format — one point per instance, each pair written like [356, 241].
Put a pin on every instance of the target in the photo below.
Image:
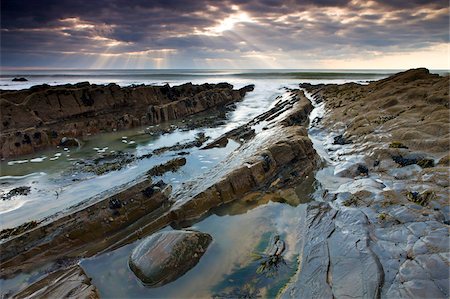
[165, 256]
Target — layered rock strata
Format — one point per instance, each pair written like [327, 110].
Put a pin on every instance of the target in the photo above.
[281, 156]
[69, 283]
[42, 116]
[84, 232]
[384, 230]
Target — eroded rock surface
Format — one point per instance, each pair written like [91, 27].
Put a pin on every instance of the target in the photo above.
[85, 232]
[68, 283]
[42, 116]
[165, 256]
[337, 261]
[410, 108]
[172, 165]
[383, 230]
[280, 156]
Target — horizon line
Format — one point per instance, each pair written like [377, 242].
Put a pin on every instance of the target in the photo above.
[206, 69]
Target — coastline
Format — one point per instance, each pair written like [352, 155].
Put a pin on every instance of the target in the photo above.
[369, 209]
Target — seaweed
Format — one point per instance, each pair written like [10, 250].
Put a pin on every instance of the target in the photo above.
[397, 144]
[421, 198]
[269, 264]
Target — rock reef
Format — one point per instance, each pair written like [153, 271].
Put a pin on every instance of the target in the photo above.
[383, 231]
[41, 116]
[69, 283]
[84, 232]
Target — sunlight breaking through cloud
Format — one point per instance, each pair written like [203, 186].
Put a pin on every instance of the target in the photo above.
[205, 33]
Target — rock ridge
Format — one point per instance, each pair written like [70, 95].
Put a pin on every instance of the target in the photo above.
[39, 117]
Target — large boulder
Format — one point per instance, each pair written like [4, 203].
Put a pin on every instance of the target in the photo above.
[165, 256]
[69, 142]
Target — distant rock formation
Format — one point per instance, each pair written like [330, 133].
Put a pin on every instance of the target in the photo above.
[41, 116]
[21, 79]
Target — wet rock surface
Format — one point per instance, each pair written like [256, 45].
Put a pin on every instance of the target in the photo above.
[406, 110]
[172, 165]
[380, 228]
[337, 260]
[200, 139]
[383, 232]
[165, 256]
[82, 233]
[10, 232]
[40, 116]
[69, 283]
[24, 190]
[278, 157]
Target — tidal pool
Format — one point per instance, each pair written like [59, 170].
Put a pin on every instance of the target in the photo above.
[227, 269]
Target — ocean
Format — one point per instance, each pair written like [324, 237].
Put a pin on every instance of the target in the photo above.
[126, 77]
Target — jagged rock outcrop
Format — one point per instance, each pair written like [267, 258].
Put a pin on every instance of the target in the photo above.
[42, 116]
[281, 156]
[165, 256]
[414, 97]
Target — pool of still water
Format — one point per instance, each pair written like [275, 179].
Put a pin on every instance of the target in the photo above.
[228, 268]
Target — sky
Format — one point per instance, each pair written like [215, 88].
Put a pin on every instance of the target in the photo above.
[207, 34]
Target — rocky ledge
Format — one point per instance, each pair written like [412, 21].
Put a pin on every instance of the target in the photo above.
[69, 283]
[84, 232]
[382, 229]
[41, 116]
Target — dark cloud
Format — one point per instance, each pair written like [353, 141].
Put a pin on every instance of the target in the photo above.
[414, 3]
[74, 31]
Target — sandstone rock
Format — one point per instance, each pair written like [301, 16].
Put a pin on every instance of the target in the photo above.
[200, 139]
[172, 165]
[165, 256]
[76, 110]
[336, 260]
[69, 283]
[84, 229]
[393, 228]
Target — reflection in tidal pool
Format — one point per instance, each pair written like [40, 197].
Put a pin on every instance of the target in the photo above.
[228, 265]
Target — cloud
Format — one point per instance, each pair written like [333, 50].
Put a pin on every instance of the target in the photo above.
[124, 33]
